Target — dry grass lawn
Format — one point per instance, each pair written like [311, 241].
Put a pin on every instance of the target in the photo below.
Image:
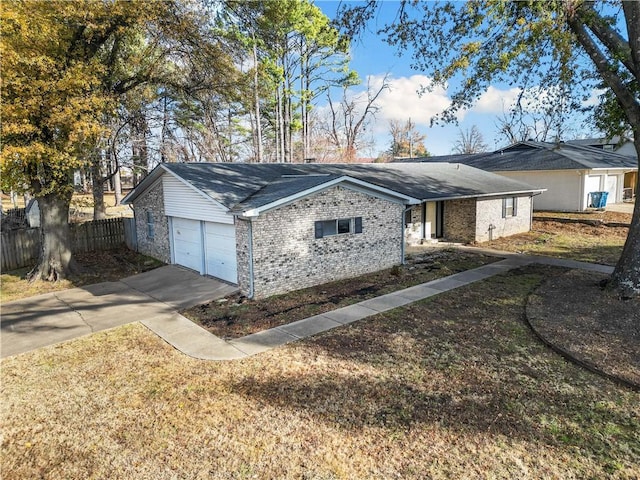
[452, 387]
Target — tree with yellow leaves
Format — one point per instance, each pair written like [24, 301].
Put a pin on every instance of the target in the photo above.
[64, 67]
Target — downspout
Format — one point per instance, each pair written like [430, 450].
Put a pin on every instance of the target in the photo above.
[251, 292]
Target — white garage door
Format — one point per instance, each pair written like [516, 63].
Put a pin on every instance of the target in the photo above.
[612, 188]
[592, 184]
[220, 251]
[187, 243]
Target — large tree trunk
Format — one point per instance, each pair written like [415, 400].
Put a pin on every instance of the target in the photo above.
[99, 208]
[626, 276]
[256, 100]
[55, 261]
[117, 188]
[139, 150]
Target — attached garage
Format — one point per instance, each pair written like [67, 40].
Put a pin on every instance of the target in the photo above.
[202, 233]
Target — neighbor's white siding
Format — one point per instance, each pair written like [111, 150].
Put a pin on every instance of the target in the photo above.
[182, 201]
[610, 181]
[564, 188]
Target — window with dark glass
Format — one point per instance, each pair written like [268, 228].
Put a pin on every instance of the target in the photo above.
[151, 232]
[339, 226]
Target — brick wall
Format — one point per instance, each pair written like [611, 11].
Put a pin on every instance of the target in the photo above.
[287, 256]
[460, 220]
[489, 212]
[152, 201]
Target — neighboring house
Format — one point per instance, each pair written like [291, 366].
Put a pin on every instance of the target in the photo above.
[568, 172]
[621, 146]
[272, 228]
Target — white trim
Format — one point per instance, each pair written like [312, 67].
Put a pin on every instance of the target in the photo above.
[358, 185]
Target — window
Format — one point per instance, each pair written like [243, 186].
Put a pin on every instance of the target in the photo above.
[151, 231]
[326, 228]
[509, 207]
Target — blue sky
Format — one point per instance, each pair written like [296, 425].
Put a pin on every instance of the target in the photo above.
[371, 56]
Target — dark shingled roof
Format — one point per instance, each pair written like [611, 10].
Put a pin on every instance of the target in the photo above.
[538, 156]
[245, 186]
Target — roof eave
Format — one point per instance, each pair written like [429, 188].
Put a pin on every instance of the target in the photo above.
[485, 195]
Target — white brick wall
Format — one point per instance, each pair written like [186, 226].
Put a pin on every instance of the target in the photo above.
[152, 201]
[489, 212]
[287, 256]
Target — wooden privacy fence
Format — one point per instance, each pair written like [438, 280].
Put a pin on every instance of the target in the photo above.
[20, 248]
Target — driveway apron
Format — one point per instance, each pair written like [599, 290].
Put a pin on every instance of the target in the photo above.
[59, 316]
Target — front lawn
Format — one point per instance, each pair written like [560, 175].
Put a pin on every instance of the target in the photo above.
[455, 386]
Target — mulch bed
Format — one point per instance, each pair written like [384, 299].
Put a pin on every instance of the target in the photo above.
[574, 314]
[237, 316]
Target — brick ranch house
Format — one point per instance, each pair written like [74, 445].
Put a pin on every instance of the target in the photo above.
[273, 228]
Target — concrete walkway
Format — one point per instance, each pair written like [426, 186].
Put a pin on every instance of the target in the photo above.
[196, 342]
[154, 298]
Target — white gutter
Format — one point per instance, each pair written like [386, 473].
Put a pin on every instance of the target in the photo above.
[535, 191]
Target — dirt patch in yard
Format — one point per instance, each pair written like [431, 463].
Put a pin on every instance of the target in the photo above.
[580, 228]
[95, 267]
[573, 313]
[237, 316]
[589, 216]
[576, 241]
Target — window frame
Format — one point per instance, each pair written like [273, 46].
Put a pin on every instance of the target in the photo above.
[509, 211]
[336, 229]
[151, 227]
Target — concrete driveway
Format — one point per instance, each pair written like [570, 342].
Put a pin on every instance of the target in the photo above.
[56, 317]
[621, 207]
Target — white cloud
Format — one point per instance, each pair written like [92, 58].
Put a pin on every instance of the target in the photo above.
[594, 97]
[402, 101]
[496, 101]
